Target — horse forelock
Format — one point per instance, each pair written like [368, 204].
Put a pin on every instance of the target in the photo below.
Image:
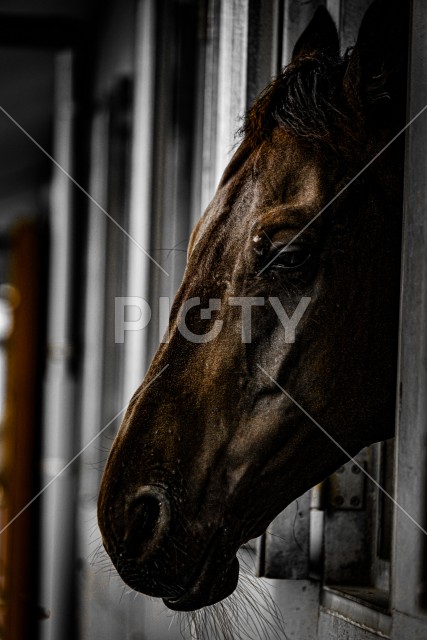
[306, 99]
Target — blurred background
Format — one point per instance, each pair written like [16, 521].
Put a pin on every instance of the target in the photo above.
[117, 119]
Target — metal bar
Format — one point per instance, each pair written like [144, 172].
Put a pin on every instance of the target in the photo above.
[138, 267]
[57, 517]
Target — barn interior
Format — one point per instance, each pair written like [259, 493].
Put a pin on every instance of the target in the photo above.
[116, 122]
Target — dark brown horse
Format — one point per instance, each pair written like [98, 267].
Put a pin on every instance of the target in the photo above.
[211, 450]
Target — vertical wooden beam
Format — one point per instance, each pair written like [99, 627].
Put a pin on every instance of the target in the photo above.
[264, 46]
[334, 8]
[296, 18]
[233, 49]
[410, 544]
[351, 14]
[210, 109]
[22, 438]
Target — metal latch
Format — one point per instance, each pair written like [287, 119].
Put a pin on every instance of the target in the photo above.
[347, 487]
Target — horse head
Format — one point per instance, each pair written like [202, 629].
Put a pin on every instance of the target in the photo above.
[282, 337]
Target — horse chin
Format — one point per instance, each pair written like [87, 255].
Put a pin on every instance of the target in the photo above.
[211, 586]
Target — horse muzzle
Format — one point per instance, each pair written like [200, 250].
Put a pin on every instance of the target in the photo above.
[140, 535]
[135, 531]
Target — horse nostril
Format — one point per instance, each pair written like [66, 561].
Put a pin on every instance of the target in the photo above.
[147, 522]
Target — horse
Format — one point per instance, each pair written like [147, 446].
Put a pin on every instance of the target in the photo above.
[286, 321]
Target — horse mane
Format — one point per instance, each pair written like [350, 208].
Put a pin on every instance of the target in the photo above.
[306, 99]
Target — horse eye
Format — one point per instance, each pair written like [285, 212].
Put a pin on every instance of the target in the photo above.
[292, 257]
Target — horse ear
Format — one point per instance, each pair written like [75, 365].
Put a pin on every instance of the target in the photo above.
[320, 35]
[375, 79]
